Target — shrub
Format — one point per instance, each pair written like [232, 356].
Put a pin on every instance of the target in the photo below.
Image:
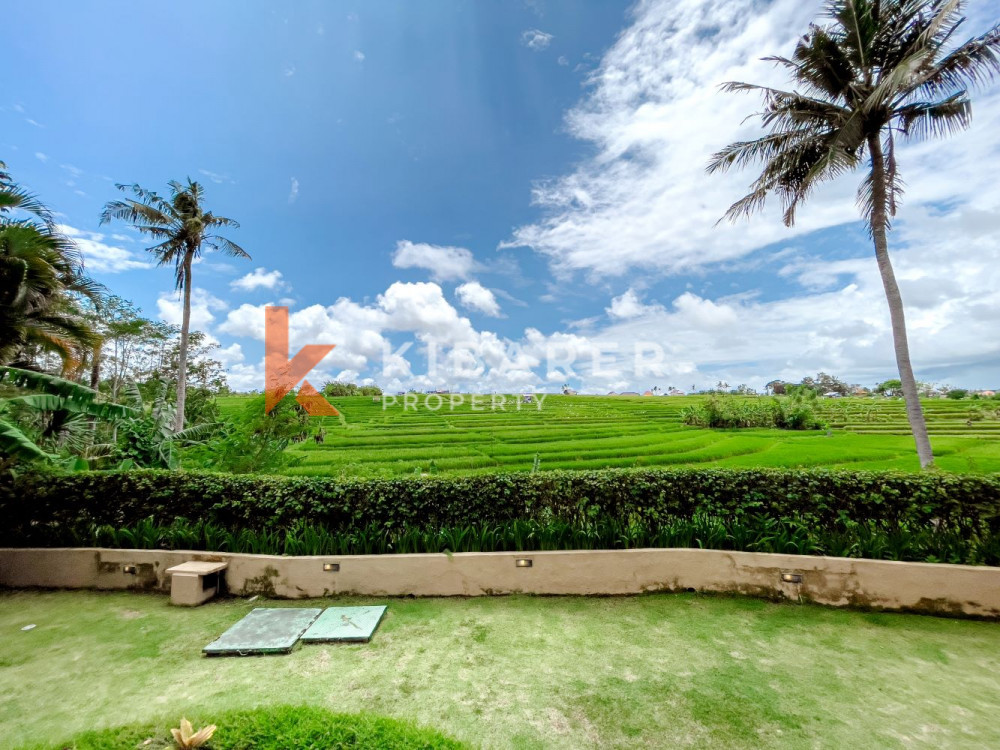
[50, 509]
[277, 728]
[795, 412]
[747, 533]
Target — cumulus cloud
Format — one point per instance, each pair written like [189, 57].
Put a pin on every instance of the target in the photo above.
[654, 116]
[293, 193]
[628, 306]
[445, 263]
[536, 39]
[359, 55]
[475, 296]
[259, 278]
[203, 308]
[100, 257]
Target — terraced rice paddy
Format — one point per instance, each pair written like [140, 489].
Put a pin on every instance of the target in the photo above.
[380, 439]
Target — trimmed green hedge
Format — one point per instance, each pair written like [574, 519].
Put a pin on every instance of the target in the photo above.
[39, 507]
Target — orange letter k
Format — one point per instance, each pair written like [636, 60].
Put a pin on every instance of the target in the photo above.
[282, 374]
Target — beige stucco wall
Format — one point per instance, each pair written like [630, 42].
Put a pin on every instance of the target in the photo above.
[947, 589]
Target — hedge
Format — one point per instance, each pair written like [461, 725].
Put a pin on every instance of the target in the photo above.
[39, 506]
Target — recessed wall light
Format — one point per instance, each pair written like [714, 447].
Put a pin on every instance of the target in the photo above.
[523, 562]
[331, 567]
[791, 578]
[130, 570]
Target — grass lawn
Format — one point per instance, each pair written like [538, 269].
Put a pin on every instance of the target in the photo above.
[657, 670]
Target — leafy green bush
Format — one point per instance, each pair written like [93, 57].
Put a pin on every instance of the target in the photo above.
[51, 509]
[254, 441]
[276, 728]
[796, 412]
[339, 388]
[746, 533]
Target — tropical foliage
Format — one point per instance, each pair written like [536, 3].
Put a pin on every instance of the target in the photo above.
[751, 532]
[182, 229]
[795, 412]
[877, 72]
[42, 284]
[61, 422]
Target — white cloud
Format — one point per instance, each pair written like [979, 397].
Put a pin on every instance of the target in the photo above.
[259, 278]
[563, 60]
[654, 116]
[289, 71]
[628, 306]
[215, 177]
[99, 256]
[445, 263]
[203, 306]
[293, 193]
[474, 296]
[230, 355]
[359, 55]
[41, 157]
[535, 39]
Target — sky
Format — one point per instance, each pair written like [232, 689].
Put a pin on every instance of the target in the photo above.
[494, 195]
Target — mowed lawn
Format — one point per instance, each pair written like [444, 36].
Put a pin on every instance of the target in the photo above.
[383, 439]
[654, 671]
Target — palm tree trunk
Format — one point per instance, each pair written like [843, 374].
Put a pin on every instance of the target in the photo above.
[182, 355]
[914, 411]
[95, 365]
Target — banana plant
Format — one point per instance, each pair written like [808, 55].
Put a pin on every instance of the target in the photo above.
[147, 435]
[59, 413]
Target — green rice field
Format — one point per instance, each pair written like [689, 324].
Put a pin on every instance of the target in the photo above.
[382, 439]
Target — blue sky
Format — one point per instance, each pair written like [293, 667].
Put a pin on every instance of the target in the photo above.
[518, 186]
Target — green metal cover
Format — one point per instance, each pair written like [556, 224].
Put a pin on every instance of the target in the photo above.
[344, 624]
[265, 630]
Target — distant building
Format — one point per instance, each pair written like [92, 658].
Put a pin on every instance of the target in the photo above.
[648, 393]
[832, 394]
[628, 393]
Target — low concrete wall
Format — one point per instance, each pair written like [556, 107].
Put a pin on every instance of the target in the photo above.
[922, 587]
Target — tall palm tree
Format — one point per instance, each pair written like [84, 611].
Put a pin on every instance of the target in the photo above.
[183, 227]
[877, 72]
[41, 280]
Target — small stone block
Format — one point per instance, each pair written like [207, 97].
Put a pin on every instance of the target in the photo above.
[194, 582]
[265, 630]
[340, 624]
[199, 568]
[188, 590]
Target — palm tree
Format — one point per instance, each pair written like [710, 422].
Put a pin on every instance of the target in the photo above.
[183, 228]
[879, 71]
[41, 281]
